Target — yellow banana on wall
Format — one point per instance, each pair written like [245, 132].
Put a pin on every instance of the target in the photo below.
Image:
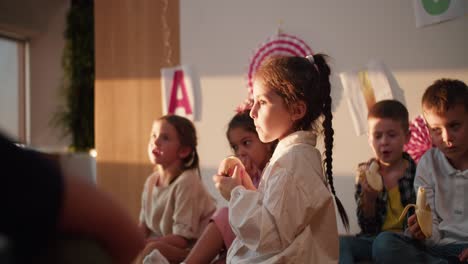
[423, 212]
[367, 89]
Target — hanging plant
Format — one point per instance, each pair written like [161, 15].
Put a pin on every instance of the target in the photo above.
[76, 117]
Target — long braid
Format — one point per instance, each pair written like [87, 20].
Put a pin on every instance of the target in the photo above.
[308, 80]
[327, 124]
[324, 73]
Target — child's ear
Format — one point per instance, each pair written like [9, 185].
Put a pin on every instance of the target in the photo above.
[298, 110]
[184, 151]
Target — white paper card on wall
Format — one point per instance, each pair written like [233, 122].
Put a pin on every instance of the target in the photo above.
[429, 12]
[180, 86]
[363, 88]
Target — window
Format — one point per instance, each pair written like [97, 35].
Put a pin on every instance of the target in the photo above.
[13, 105]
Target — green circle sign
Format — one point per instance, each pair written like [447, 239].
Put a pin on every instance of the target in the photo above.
[435, 7]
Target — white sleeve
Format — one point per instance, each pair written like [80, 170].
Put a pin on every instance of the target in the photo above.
[424, 178]
[188, 206]
[268, 222]
[144, 197]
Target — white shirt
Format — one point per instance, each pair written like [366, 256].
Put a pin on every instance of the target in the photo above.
[182, 208]
[291, 218]
[447, 195]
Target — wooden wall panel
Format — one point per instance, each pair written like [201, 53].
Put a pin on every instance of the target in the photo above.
[131, 39]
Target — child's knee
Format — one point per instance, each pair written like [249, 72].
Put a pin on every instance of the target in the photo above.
[345, 242]
[384, 245]
[383, 240]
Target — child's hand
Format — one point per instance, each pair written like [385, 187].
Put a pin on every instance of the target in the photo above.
[152, 239]
[463, 256]
[250, 168]
[414, 228]
[251, 172]
[246, 180]
[367, 191]
[226, 184]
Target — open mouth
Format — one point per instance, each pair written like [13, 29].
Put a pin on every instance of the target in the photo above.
[386, 152]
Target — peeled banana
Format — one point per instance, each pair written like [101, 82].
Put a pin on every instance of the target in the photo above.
[228, 164]
[373, 177]
[423, 212]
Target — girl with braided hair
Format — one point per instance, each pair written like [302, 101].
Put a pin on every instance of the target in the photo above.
[254, 155]
[291, 217]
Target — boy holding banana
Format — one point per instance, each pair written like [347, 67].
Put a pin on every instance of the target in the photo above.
[384, 184]
[443, 175]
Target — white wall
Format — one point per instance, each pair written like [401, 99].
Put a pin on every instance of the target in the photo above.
[45, 79]
[219, 37]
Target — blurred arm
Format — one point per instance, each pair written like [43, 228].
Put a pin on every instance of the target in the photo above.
[90, 212]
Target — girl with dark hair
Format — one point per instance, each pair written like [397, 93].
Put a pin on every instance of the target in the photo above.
[254, 154]
[291, 217]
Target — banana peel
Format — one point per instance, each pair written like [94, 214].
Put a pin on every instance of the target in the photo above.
[423, 212]
[228, 165]
[373, 177]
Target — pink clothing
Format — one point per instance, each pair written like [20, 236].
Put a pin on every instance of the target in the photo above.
[256, 179]
[221, 217]
[221, 220]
